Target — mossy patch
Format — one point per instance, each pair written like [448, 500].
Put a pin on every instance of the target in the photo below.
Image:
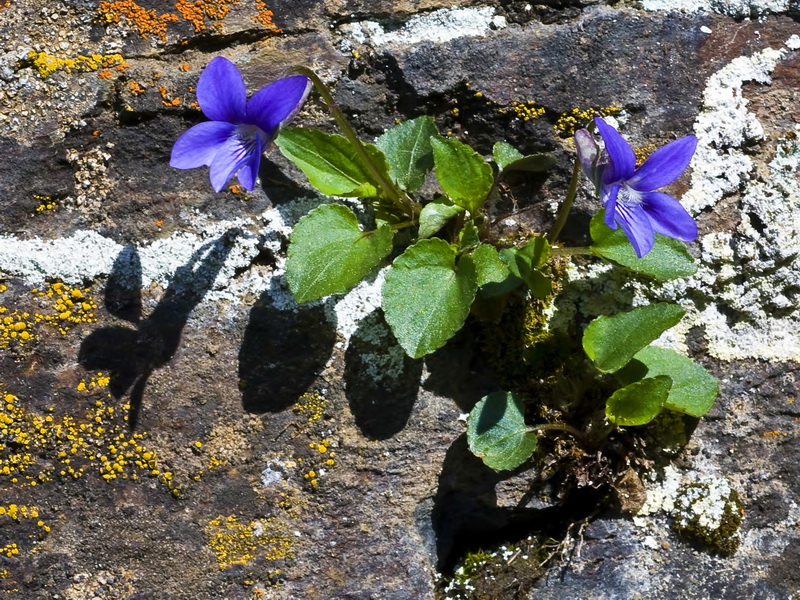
[710, 513]
[513, 567]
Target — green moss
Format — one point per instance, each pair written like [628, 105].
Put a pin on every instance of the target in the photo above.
[517, 343]
[482, 572]
[710, 513]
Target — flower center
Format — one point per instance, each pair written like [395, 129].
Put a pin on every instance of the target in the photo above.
[247, 136]
[629, 196]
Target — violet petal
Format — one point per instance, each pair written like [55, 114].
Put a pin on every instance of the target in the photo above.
[249, 172]
[623, 160]
[232, 156]
[669, 217]
[221, 92]
[278, 103]
[665, 165]
[199, 145]
[636, 225]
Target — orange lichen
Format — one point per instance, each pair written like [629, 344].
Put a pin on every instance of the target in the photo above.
[192, 12]
[166, 97]
[105, 74]
[774, 434]
[264, 16]
[135, 88]
[146, 22]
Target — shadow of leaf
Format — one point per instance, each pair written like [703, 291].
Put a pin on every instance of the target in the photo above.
[284, 348]
[465, 515]
[381, 381]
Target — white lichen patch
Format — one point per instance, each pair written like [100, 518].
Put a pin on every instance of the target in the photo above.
[749, 276]
[438, 27]
[702, 506]
[733, 8]
[215, 261]
[357, 304]
[723, 126]
[92, 184]
[275, 472]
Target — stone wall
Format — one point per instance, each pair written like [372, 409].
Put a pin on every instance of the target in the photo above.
[175, 426]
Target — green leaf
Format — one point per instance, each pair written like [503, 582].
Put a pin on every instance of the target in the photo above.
[638, 403]
[330, 162]
[509, 158]
[435, 215]
[468, 237]
[525, 261]
[462, 173]
[533, 163]
[489, 266]
[407, 148]
[504, 154]
[329, 254]
[693, 388]
[668, 259]
[426, 297]
[611, 342]
[496, 432]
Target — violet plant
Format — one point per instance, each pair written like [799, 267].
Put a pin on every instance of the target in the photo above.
[446, 264]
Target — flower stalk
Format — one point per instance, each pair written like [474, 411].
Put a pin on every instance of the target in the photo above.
[392, 192]
[566, 206]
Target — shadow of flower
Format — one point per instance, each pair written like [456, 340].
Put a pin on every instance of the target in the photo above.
[130, 355]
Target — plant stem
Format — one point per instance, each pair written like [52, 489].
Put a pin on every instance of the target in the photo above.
[558, 427]
[403, 225]
[392, 192]
[570, 251]
[566, 206]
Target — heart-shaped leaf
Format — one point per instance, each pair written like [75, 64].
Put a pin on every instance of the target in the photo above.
[427, 296]
[463, 174]
[330, 162]
[638, 403]
[407, 148]
[435, 215]
[497, 434]
[693, 388]
[504, 154]
[329, 254]
[611, 342]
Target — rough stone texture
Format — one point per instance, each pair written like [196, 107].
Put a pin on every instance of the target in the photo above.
[201, 341]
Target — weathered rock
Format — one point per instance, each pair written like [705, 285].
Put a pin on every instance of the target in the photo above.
[293, 452]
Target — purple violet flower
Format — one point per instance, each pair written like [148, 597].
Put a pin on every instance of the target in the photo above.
[231, 143]
[628, 194]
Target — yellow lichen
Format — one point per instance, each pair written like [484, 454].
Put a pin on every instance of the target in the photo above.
[65, 306]
[525, 110]
[47, 204]
[48, 64]
[311, 406]
[36, 448]
[569, 122]
[643, 152]
[236, 543]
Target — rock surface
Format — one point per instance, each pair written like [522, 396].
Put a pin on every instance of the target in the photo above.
[175, 426]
